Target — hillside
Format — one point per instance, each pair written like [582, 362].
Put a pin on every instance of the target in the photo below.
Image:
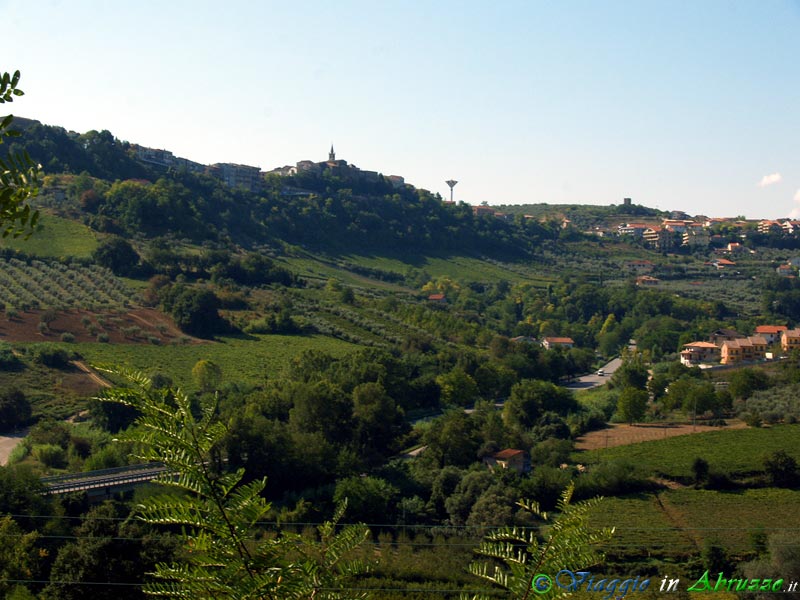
[356, 339]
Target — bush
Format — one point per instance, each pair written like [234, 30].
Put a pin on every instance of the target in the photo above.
[156, 341]
[67, 337]
[52, 356]
[102, 338]
[8, 360]
[700, 470]
[752, 419]
[610, 479]
[50, 455]
[781, 469]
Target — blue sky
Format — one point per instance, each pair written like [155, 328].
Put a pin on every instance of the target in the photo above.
[677, 104]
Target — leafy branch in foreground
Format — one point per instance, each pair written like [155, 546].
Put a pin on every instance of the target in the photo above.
[226, 555]
[568, 543]
[19, 175]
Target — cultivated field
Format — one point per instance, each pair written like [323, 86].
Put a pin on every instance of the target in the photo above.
[619, 434]
[730, 452]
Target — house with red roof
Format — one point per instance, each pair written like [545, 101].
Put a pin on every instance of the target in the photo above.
[557, 342]
[771, 333]
[697, 353]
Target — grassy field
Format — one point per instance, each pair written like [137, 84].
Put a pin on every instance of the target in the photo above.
[56, 393]
[675, 525]
[250, 359]
[461, 268]
[731, 451]
[57, 238]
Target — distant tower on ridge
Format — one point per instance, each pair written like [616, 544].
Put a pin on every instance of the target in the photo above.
[452, 183]
[331, 154]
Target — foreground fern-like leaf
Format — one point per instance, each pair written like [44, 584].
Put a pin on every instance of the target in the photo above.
[219, 516]
[517, 555]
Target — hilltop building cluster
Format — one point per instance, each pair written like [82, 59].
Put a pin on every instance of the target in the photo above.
[252, 178]
[729, 347]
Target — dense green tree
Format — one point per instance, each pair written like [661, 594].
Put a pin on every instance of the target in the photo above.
[632, 373]
[324, 408]
[378, 420]
[781, 468]
[530, 398]
[15, 409]
[631, 404]
[743, 382]
[457, 388]
[21, 493]
[460, 503]
[369, 499]
[117, 254]
[263, 447]
[196, 311]
[19, 557]
[107, 549]
[452, 439]
[207, 375]
[493, 508]
[700, 471]
[700, 398]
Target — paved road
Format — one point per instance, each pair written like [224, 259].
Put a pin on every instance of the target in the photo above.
[590, 381]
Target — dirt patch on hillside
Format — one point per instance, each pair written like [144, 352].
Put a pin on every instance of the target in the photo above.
[8, 442]
[618, 434]
[136, 326]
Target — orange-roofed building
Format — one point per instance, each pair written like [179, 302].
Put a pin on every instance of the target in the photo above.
[743, 350]
[698, 353]
[790, 340]
[558, 342]
[771, 333]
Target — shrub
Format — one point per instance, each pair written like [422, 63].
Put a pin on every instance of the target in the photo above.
[48, 316]
[50, 455]
[752, 419]
[781, 469]
[154, 340]
[51, 356]
[67, 337]
[8, 360]
[700, 470]
[102, 338]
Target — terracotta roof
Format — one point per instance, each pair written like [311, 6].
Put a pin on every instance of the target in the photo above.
[507, 454]
[771, 328]
[559, 340]
[700, 345]
[436, 297]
